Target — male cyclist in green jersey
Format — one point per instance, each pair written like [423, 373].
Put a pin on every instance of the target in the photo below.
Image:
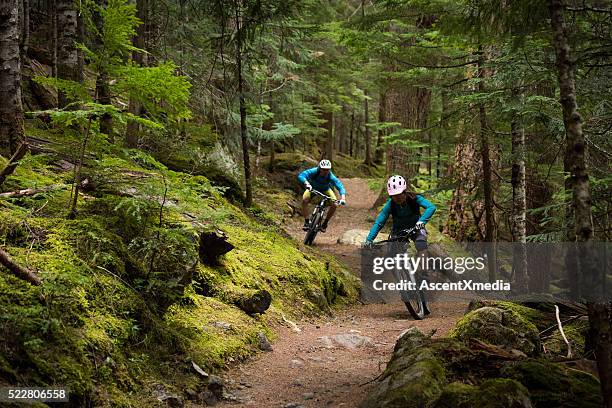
[322, 179]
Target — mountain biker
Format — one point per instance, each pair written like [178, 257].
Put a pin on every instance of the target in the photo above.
[405, 208]
[322, 179]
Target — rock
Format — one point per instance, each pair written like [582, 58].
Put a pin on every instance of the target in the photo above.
[455, 395]
[222, 325]
[327, 342]
[555, 385]
[293, 405]
[504, 328]
[318, 298]
[297, 383]
[353, 237]
[296, 363]
[171, 400]
[500, 393]
[308, 395]
[263, 342]
[347, 340]
[413, 378]
[216, 386]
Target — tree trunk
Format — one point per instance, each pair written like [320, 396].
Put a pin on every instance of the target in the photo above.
[329, 143]
[11, 109]
[68, 65]
[368, 139]
[487, 179]
[102, 86]
[519, 205]
[382, 117]
[140, 58]
[243, 125]
[25, 38]
[351, 132]
[600, 315]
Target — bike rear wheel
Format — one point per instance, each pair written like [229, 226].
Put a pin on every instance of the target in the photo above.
[313, 228]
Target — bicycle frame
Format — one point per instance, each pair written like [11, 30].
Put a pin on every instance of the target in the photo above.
[413, 299]
[317, 217]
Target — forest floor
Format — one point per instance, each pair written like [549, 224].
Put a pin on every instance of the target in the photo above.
[333, 360]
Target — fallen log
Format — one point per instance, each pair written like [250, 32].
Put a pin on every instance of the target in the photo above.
[212, 246]
[13, 162]
[30, 191]
[250, 301]
[17, 270]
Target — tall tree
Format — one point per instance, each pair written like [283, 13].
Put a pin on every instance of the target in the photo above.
[68, 64]
[600, 313]
[139, 58]
[487, 183]
[11, 110]
[519, 200]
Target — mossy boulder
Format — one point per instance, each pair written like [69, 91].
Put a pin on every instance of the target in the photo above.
[455, 395]
[493, 393]
[504, 328]
[554, 385]
[413, 378]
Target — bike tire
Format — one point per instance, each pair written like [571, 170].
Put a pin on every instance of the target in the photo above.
[313, 229]
[417, 307]
[416, 302]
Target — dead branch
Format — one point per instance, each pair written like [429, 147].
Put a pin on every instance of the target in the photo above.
[13, 162]
[19, 271]
[29, 191]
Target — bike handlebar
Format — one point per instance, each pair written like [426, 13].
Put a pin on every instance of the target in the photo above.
[326, 197]
[403, 235]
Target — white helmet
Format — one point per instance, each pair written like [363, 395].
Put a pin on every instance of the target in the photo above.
[325, 164]
[396, 185]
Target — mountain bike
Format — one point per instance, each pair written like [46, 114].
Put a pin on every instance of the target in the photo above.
[318, 216]
[415, 300]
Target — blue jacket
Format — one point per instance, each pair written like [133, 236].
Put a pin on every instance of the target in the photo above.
[403, 216]
[319, 182]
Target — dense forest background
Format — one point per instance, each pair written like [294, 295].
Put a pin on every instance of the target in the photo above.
[500, 111]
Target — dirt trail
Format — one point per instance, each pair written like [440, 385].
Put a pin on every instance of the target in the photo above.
[305, 369]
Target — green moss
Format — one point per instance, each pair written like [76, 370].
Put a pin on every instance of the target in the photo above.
[505, 328]
[500, 393]
[455, 395]
[96, 325]
[553, 385]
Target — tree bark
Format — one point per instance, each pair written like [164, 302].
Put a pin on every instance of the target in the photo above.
[102, 86]
[11, 109]
[243, 125]
[487, 181]
[382, 117]
[600, 315]
[329, 143]
[519, 204]
[67, 53]
[25, 38]
[368, 138]
[139, 58]
[351, 132]
[17, 270]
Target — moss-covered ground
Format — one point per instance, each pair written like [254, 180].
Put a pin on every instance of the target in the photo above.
[126, 307]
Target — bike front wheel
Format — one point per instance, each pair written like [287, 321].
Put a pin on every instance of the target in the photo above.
[415, 300]
[313, 228]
